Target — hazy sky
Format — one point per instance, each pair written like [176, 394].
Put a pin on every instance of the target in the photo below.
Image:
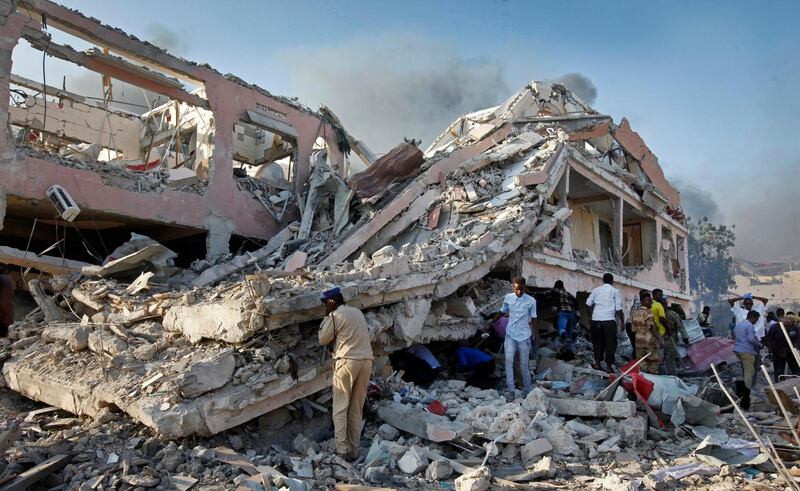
[711, 86]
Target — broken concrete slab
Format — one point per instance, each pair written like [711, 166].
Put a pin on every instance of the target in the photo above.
[533, 449]
[207, 375]
[421, 423]
[597, 409]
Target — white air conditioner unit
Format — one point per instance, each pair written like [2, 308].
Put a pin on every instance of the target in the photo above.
[66, 206]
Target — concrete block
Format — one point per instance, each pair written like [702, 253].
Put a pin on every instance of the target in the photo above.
[438, 469]
[581, 429]
[388, 432]
[461, 307]
[474, 480]
[207, 375]
[562, 441]
[227, 321]
[530, 179]
[634, 429]
[182, 176]
[583, 408]
[296, 261]
[558, 369]
[413, 461]
[533, 449]
[383, 255]
[422, 423]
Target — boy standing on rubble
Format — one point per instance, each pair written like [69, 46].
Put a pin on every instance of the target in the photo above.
[346, 327]
[648, 340]
[606, 304]
[522, 325]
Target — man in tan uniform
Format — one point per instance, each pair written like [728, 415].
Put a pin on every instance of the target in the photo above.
[346, 327]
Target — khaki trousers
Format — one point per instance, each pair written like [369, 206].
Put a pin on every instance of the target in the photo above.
[748, 368]
[350, 382]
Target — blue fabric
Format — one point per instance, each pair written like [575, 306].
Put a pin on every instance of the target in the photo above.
[330, 293]
[467, 358]
[525, 350]
[565, 321]
[520, 311]
[745, 338]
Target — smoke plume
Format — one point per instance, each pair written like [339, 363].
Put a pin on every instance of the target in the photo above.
[581, 85]
[697, 202]
[168, 39]
[396, 86]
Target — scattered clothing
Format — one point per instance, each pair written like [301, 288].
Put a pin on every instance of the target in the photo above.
[480, 364]
[423, 353]
[500, 326]
[469, 358]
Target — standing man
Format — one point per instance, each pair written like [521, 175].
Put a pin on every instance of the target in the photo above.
[605, 301]
[660, 317]
[779, 348]
[740, 306]
[646, 332]
[565, 305]
[6, 302]
[522, 325]
[346, 327]
[746, 346]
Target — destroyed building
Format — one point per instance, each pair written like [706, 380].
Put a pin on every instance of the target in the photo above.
[186, 343]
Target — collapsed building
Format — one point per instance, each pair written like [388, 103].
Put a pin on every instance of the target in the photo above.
[541, 185]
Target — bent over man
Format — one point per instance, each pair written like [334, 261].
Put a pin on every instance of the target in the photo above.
[346, 327]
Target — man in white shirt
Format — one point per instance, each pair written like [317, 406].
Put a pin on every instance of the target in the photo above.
[606, 304]
[740, 306]
[522, 325]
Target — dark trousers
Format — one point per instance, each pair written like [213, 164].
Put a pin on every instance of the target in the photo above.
[779, 364]
[604, 341]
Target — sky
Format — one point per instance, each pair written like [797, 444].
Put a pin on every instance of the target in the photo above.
[712, 87]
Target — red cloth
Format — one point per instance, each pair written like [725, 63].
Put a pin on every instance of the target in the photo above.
[437, 407]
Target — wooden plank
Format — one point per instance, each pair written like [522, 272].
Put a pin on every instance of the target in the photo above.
[36, 474]
[229, 456]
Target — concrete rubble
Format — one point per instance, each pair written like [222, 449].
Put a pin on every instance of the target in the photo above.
[161, 367]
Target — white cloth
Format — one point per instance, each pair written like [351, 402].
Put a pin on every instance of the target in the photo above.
[607, 300]
[740, 314]
[423, 353]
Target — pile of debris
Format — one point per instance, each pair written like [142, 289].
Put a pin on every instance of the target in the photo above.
[414, 242]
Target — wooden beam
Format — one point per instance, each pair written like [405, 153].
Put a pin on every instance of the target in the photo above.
[30, 477]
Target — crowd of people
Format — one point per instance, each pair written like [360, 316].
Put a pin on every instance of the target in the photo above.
[775, 334]
[655, 329]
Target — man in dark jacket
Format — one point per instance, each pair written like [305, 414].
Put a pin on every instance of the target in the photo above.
[778, 347]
